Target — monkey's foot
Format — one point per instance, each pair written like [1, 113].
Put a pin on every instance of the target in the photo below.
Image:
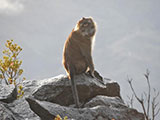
[96, 75]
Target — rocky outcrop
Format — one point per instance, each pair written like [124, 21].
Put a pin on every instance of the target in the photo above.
[45, 99]
[99, 108]
[58, 90]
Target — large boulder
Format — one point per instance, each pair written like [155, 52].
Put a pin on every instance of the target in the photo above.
[99, 108]
[58, 89]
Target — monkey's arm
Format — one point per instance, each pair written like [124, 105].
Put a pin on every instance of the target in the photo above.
[88, 59]
[90, 63]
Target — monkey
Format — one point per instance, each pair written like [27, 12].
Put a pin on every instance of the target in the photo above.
[77, 52]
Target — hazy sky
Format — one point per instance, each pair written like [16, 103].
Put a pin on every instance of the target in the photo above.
[127, 41]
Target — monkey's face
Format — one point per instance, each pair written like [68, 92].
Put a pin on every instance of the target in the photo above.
[87, 27]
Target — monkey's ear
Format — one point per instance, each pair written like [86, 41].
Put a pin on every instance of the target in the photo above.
[83, 18]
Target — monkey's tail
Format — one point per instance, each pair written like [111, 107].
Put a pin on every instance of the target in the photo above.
[74, 87]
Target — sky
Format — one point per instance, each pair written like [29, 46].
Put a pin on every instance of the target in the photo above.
[127, 40]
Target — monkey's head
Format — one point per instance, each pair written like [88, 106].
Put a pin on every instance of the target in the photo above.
[86, 26]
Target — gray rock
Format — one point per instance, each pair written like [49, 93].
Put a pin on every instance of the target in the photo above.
[100, 100]
[17, 106]
[43, 113]
[7, 114]
[110, 108]
[58, 89]
[30, 86]
[8, 93]
[21, 107]
[115, 102]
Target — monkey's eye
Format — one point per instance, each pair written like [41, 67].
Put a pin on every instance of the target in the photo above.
[85, 24]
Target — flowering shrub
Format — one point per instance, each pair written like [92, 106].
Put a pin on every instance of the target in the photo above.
[10, 64]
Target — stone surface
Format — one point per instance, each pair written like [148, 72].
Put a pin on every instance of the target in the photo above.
[58, 89]
[44, 99]
[21, 107]
[7, 114]
[43, 113]
[107, 108]
[115, 102]
[8, 93]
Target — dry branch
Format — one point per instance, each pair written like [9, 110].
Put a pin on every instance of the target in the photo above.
[150, 103]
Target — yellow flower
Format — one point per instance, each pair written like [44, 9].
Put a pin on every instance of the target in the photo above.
[20, 62]
[20, 87]
[9, 43]
[0, 60]
[14, 55]
[19, 91]
[20, 72]
[22, 93]
[15, 45]
[5, 57]
[24, 78]
[65, 118]
[4, 51]
[58, 118]
[4, 68]
[6, 63]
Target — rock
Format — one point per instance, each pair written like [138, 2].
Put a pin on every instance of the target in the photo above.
[7, 114]
[106, 101]
[45, 99]
[17, 106]
[58, 89]
[107, 108]
[30, 86]
[8, 93]
[39, 110]
[21, 107]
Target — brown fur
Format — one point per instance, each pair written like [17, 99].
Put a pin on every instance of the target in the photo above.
[78, 50]
[77, 54]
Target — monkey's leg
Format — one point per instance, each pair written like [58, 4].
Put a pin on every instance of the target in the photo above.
[74, 88]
